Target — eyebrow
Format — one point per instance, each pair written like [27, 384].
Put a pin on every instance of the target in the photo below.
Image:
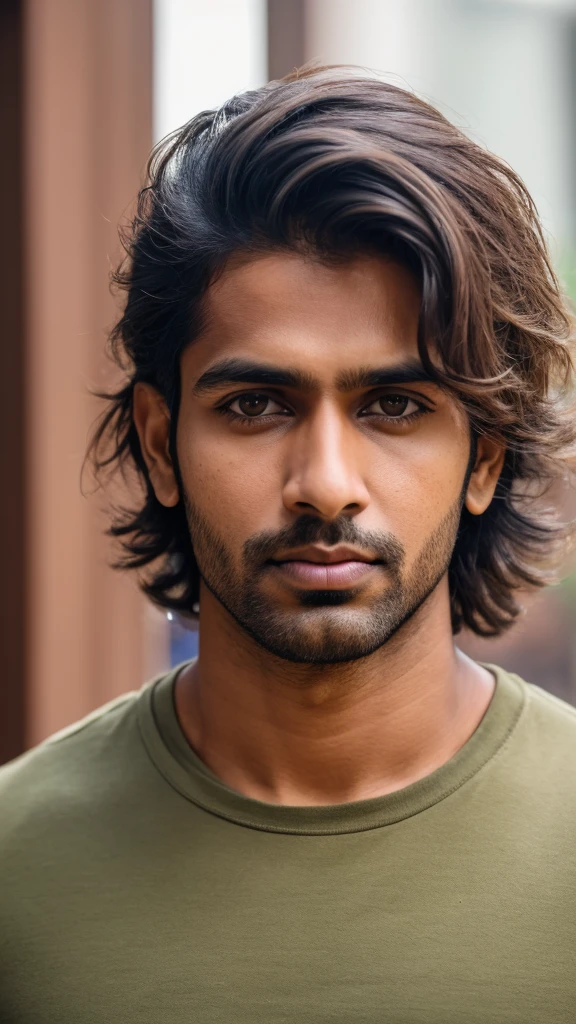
[409, 372]
[242, 371]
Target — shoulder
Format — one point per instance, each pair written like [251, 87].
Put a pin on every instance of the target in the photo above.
[78, 767]
[555, 719]
[540, 752]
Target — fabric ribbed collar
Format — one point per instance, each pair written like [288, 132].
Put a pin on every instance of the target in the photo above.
[183, 769]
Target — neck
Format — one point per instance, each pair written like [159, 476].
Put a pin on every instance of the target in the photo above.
[305, 735]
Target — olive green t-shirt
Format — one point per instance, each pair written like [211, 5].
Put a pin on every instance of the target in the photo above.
[136, 887]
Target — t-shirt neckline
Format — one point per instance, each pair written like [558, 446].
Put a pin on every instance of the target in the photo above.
[175, 759]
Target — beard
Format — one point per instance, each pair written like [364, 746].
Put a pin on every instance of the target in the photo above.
[324, 626]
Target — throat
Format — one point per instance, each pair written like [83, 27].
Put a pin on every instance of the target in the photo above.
[345, 737]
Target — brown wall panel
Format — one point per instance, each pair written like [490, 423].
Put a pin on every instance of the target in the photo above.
[88, 133]
[286, 36]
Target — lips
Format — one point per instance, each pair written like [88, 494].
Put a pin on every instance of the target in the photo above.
[318, 576]
[322, 569]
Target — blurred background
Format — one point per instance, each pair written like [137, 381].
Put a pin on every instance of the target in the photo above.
[87, 87]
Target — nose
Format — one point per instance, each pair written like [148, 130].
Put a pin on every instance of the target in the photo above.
[324, 472]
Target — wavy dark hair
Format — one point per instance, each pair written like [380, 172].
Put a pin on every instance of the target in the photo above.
[335, 163]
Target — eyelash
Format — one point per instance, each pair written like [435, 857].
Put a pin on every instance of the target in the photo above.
[253, 421]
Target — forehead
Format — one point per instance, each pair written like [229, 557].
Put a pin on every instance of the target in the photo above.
[284, 308]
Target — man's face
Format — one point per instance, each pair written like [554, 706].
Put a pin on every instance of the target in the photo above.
[323, 473]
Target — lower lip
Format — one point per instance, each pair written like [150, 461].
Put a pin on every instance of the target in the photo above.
[318, 576]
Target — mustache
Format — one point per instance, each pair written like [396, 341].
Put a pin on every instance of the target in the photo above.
[310, 529]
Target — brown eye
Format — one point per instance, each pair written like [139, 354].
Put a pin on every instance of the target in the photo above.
[393, 405]
[253, 404]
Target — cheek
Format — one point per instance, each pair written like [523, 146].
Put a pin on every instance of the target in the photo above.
[415, 482]
[237, 491]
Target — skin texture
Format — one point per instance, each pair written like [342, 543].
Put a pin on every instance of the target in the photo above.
[346, 685]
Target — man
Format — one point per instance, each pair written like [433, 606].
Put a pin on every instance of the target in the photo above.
[348, 367]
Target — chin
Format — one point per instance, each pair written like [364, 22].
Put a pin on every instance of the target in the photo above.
[326, 638]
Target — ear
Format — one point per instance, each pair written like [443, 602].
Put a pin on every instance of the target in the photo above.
[484, 476]
[152, 421]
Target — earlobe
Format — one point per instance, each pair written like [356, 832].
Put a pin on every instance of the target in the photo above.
[152, 421]
[484, 476]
